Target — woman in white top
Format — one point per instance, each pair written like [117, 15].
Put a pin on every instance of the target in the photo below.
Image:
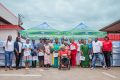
[9, 48]
[78, 61]
[27, 47]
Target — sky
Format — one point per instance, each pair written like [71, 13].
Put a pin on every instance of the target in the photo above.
[65, 14]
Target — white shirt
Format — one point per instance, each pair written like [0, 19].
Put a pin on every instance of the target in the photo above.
[72, 47]
[9, 46]
[62, 45]
[50, 44]
[40, 54]
[27, 48]
[20, 47]
[96, 46]
[78, 44]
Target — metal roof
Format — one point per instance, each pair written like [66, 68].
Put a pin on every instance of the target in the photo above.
[114, 27]
[8, 15]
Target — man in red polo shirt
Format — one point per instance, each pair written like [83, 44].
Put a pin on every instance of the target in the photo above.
[107, 49]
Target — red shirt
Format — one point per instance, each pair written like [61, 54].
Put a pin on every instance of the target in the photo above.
[61, 52]
[107, 45]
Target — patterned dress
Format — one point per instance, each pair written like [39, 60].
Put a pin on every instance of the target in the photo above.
[27, 52]
[47, 54]
[85, 51]
[56, 48]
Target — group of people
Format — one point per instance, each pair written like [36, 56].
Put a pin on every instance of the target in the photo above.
[46, 52]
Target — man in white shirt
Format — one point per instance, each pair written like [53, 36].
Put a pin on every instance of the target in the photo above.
[97, 52]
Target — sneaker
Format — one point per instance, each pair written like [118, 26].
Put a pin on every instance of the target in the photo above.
[92, 68]
[10, 68]
[103, 67]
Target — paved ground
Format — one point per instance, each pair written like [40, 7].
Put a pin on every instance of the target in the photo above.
[55, 74]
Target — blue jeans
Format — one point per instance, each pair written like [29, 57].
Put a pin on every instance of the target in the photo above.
[8, 58]
[95, 57]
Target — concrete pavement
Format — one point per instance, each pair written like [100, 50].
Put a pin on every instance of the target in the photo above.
[55, 74]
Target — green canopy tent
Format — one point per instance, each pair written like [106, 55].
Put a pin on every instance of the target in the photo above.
[44, 30]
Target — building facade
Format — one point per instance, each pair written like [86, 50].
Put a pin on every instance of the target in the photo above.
[113, 32]
[8, 24]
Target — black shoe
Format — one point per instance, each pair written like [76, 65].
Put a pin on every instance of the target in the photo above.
[17, 68]
[6, 69]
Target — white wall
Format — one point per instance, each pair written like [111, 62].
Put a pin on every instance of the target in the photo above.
[5, 32]
[4, 13]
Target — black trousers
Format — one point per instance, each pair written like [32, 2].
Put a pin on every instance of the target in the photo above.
[18, 59]
[34, 64]
[107, 56]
